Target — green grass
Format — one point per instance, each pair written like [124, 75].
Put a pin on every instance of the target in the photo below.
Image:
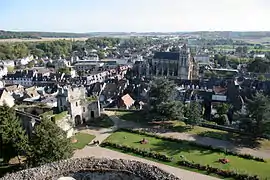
[192, 153]
[168, 163]
[102, 121]
[82, 140]
[60, 115]
[139, 116]
[179, 126]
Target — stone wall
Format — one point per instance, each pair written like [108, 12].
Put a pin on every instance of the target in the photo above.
[93, 168]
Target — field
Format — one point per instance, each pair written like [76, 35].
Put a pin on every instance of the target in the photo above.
[199, 155]
[230, 48]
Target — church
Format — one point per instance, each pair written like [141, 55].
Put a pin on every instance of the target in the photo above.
[178, 64]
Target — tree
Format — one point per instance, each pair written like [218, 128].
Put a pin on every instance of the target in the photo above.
[65, 70]
[161, 91]
[221, 60]
[20, 50]
[101, 54]
[50, 65]
[193, 113]
[172, 110]
[49, 144]
[222, 117]
[241, 50]
[261, 77]
[222, 108]
[14, 141]
[31, 64]
[259, 114]
[259, 65]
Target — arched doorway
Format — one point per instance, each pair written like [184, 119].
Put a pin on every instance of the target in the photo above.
[78, 120]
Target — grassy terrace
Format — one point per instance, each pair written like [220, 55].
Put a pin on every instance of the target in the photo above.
[82, 140]
[192, 153]
[60, 115]
[179, 126]
[103, 121]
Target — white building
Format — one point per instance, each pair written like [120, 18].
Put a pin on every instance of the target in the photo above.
[259, 56]
[3, 71]
[25, 61]
[6, 98]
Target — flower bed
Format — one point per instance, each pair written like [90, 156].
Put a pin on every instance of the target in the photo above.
[245, 156]
[144, 153]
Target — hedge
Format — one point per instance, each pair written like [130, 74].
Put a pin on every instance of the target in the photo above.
[215, 149]
[144, 153]
[220, 172]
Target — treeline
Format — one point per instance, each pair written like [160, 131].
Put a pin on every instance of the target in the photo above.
[53, 49]
[17, 35]
[105, 47]
[39, 35]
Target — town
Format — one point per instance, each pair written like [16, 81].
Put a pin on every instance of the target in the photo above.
[198, 101]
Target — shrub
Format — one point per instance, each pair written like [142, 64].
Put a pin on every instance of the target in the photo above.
[141, 152]
[220, 172]
[215, 149]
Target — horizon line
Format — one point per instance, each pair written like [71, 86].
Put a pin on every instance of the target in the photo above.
[37, 31]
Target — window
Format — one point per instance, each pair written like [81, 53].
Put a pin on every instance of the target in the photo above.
[83, 109]
[76, 104]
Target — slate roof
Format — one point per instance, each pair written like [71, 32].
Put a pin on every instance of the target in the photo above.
[167, 55]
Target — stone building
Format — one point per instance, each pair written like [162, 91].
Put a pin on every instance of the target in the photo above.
[175, 65]
[80, 107]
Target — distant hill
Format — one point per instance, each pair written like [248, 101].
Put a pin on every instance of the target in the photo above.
[38, 35]
[203, 34]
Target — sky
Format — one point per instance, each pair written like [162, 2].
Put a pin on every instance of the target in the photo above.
[134, 15]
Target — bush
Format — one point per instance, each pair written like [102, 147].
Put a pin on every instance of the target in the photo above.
[220, 172]
[143, 153]
[245, 156]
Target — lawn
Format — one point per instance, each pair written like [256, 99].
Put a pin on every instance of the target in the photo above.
[137, 116]
[192, 153]
[82, 140]
[180, 126]
[177, 126]
[102, 121]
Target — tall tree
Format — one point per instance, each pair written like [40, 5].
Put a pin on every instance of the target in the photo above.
[193, 113]
[259, 65]
[259, 114]
[162, 90]
[14, 141]
[49, 143]
[172, 110]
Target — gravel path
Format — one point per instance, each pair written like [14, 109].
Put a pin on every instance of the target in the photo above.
[99, 152]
